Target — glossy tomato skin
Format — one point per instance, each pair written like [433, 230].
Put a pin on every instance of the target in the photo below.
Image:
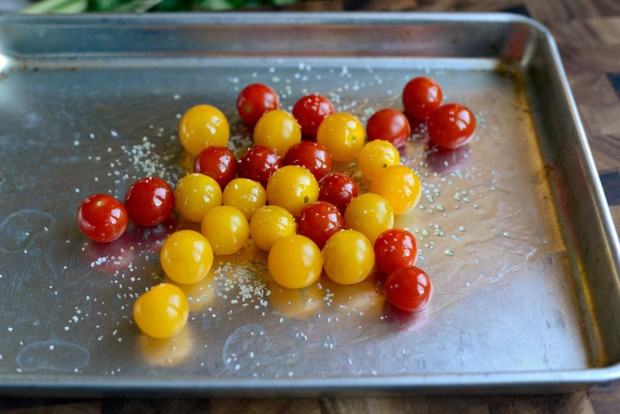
[259, 163]
[161, 312]
[318, 221]
[202, 126]
[149, 201]
[338, 189]
[389, 125]
[102, 218]
[292, 187]
[218, 163]
[254, 100]
[408, 288]
[451, 126]
[310, 111]
[311, 155]
[395, 248]
[421, 97]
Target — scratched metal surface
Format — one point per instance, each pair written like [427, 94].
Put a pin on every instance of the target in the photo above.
[504, 226]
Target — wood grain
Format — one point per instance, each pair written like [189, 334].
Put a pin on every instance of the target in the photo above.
[588, 37]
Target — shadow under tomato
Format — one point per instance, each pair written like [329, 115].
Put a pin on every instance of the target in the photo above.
[151, 238]
[109, 258]
[402, 320]
[167, 352]
[443, 160]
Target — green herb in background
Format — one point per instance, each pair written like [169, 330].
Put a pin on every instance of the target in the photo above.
[121, 6]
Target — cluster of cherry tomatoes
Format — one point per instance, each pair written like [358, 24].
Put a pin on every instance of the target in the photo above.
[283, 194]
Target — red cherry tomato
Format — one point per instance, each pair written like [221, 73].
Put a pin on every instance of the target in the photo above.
[259, 163]
[149, 201]
[218, 163]
[311, 155]
[451, 126]
[395, 248]
[254, 100]
[389, 125]
[408, 288]
[421, 97]
[338, 189]
[102, 218]
[318, 221]
[310, 112]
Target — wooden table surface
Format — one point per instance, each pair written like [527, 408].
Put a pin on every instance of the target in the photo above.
[588, 36]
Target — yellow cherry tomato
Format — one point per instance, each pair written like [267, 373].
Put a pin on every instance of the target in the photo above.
[370, 214]
[186, 256]
[292, 187]
[375, 156]
[295, 262]
[226, 228]
[162, 311]
[348, 257]
[269, 224]
[196, 194]
[342, 134]
[202, 126]
[400, 185]
[245, 194]
[277, 129]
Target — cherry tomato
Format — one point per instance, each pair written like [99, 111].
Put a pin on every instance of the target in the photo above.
[375, 156]
[310, 112]
[244, 194]
[258, 163]
[218, 163]
[102, 218]
[149, 201]
[186, 256]
[408, 288]
[451, 126]
[195, 195]
[202, 126]
[319, 220]
[400, 185]
[421, 97]
[292, 187]
[348, 257]
[277, 129]
[161, 312]
[295, 262]
[269, 224]
[254, 100]
[338, 189]
[369, 214]
[395, 248]
[226, 228]
[310, 155]
[389, 125]
[342, 134]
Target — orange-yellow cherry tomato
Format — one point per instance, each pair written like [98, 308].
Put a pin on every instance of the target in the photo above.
[226, 228]
[196, 194]
[202, 126]
[277, 129]
[400, 185]
[162, 311]
[245, 194]
[342, 134]
[186, 256]
[269, 224]
[295, 262]
[292, 187]
[370, 214]
[348, 257]
[375, 156]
